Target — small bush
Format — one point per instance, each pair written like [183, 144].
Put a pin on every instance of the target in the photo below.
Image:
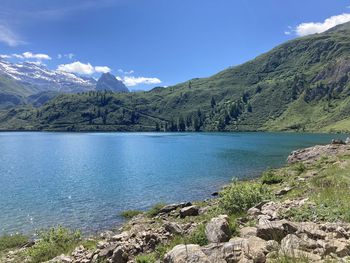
[270, 177]
[54, 242]
[299, 168]
[130, 213]
[198, 236]
[240, 196]
[12, 241]
[155, 209]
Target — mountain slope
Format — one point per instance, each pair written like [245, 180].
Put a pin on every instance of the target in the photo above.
[109, 82]
[302, 84]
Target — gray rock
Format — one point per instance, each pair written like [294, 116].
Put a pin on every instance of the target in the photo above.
[119, 256]
[189, 211]
[276, 230]
[290, 243]
[168, 208]
[312, 230]
[248, 232]
[242, 249]
[121, 236]
[218, 229]
[253, 212]
[284, 191]
[173, 228]
[61, 259]
[272, 245]
[108, 251]
[186, 254]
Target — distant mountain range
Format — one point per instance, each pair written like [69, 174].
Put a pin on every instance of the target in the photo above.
[109, 82]
[21, 83]
[301, 85]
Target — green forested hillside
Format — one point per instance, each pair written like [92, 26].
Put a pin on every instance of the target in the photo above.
[300, 85]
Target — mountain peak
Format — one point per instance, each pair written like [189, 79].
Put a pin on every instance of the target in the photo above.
[109, 82]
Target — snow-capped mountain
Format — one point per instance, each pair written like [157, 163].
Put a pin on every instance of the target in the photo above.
[41, 79]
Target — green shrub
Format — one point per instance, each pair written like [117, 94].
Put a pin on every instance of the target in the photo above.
[12, 241]
[197, 236]
[299, 168]
[270, 177]
[130, 213]
[155, 209]
[54, 242]
[240, 196]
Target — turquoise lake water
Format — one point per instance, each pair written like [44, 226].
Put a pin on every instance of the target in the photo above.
[85, 180]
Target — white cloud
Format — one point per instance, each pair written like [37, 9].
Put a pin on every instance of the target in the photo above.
[102, 69]
[77, 67]
[8, 37]
[30, 55]
[304, 29]
[69, 56]
[131, 81]
[5, 56]
[81, 68]
[125, 72]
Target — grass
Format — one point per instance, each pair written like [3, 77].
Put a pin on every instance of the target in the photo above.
[150, 258]
[54, 242]
[242, 195]
[128, 214]
[12, 241]
[155, 209]
[269, 177]
[299, 168]
[328, 191]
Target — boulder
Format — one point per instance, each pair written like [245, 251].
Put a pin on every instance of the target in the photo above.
[312, 230]
[218, 229]
[107, 251]
[276, 230]
[272, 245]
[172, 207]
[168, 208]
[238, 249]
[173, 228]
[284, 191]
[189, 211]
[290, 243]
[61, 259]
[120, 237]
[253, 212]
[186, 254]
[119, 255]
[347, 141]
[248, 231]
[342, 248]
[214, 252]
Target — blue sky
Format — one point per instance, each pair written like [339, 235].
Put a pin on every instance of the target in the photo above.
[156, 42]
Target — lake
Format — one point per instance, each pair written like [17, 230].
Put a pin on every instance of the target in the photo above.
[85, 180]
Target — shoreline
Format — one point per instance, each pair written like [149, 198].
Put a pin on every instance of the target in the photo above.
[168, 226]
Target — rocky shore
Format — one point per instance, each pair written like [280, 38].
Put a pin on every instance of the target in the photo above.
[293, 222]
